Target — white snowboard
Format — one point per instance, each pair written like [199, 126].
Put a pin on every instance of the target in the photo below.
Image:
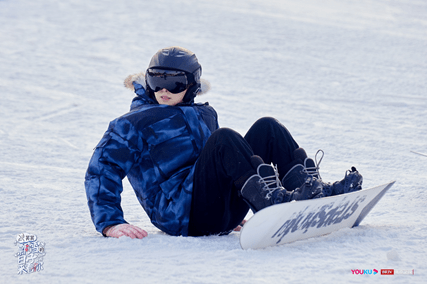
[288, 222]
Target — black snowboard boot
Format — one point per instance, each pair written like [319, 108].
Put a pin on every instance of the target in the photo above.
[264, 188]
[302, 185]
[300, 169]
[306, 166]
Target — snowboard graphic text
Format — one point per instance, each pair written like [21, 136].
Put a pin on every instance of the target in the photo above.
[326, 215]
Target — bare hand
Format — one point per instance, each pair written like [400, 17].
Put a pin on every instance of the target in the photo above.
[128, 230]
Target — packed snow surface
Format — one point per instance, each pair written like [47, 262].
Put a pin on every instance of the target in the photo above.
[345, 76]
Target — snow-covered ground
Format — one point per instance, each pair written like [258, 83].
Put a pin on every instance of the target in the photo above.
[346, 76]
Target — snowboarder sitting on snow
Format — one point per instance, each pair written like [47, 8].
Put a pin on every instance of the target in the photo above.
[191, 177]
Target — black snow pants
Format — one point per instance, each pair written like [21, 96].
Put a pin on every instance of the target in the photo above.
[223, 167]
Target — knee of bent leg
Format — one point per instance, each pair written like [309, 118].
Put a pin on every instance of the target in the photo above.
[266, 122]
[225, 133]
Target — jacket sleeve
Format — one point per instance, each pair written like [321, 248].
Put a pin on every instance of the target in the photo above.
[112, 159]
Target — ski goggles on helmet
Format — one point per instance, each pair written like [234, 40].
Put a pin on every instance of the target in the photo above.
[174, 81]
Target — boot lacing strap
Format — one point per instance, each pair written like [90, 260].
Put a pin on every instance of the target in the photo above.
[270, 181]
[314, 170]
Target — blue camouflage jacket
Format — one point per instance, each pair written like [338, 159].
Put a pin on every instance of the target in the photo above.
[156, 147]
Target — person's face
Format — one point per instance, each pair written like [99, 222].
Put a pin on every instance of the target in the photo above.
[164, 97]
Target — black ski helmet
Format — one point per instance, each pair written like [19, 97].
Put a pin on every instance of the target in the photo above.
[178, 58]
